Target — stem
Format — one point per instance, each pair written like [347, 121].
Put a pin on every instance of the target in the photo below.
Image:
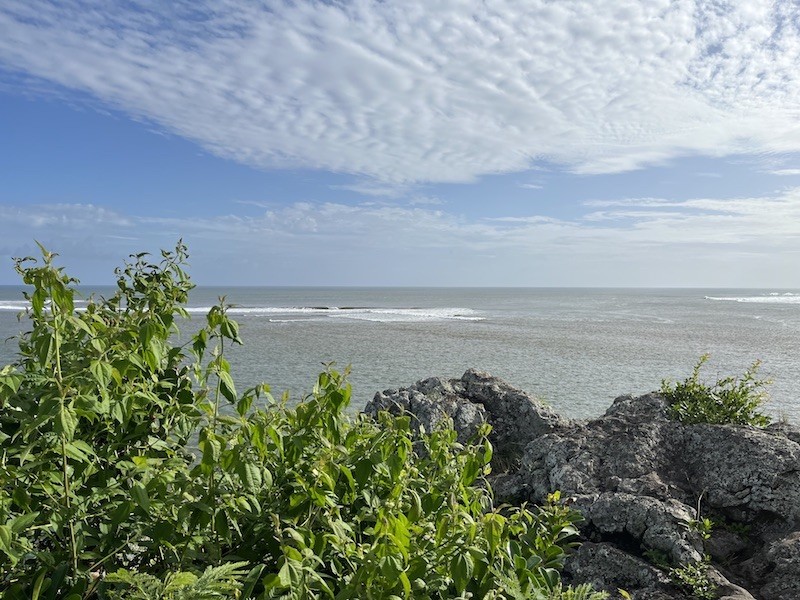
[212, 483]
[219, 385]
[64, 460]
[68, 505]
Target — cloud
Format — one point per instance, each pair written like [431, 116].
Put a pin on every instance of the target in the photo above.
[419, 91]
[650, 241]
[426, 201]
[784, 172]
[374, 188]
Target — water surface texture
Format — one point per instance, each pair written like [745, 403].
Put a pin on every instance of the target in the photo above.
[575, 348]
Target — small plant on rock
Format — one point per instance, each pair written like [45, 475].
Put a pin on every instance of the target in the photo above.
[694, 578]
[730, 401]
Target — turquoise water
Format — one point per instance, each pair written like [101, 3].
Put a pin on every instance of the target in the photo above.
[575, 348]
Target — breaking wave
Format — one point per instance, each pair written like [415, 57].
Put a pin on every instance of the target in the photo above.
[771, 298]
[359, 313]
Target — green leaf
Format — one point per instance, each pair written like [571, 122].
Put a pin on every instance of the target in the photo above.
[5, 539]
[404, 581]
[179, 580]
[493, 530]
[22, 522]
[211, 452]
[101, 371]
[80, 451]
[66, 422]
[10, 379]
[230, 329]
[251, 581]
[140, 497]
[461, 568]
[226, 386]
[80, 324]
[250, 474]
[37, 586]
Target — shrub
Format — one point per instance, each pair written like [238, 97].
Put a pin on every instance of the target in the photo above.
[730, 401]
[130, 467]
[694, 578]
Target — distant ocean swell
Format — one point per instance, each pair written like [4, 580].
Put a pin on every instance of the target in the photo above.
[308, 313]
[773, 298]
[360, 313]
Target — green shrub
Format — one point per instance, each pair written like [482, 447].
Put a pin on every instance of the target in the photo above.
[694, 578]
[730, 401]
[131, 468]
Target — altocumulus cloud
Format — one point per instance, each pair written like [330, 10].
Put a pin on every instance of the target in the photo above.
[425, 91]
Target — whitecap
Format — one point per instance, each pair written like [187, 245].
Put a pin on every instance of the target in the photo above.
[785, 299]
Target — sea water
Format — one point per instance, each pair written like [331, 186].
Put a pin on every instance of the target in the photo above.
[576, 349]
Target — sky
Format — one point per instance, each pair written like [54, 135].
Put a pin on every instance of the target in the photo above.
[406, 142]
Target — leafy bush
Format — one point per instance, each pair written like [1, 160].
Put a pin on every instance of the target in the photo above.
[730, 401]
[694, 578]
[131, 468]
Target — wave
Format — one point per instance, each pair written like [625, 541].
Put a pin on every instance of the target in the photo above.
[19, 305]
[287, 314]
[773, 298]
[16, 305]
[359, 313]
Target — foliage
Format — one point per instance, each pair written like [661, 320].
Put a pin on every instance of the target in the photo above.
[731, 400]
[131, 468]
[743, 530]
[702, 527]
[657, 558]
[215, 582]
[694, 577]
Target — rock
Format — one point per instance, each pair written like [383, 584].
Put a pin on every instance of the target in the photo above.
[638, 478]
[726, 546]
[470, 401]
[745, 472]
[647, 523]
[608, 568]
[777, 569]
[641, 481]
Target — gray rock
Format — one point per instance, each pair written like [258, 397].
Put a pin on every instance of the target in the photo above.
[516, 417]
[608, 568]
[776, 569]
[651, 523]
[639, 479]
[743, 470]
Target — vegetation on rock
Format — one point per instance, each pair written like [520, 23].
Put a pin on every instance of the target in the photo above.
[730, 401]
[130, 468]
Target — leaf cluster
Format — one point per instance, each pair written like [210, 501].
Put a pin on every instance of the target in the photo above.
[694, 578]
[730, 401]
[131, 468]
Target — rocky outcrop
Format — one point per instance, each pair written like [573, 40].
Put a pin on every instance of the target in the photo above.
[476, 398]
[641, 482]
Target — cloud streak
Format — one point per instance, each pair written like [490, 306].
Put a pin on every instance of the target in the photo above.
[419, 91]
[704, 241]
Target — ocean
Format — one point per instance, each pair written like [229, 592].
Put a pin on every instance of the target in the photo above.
[576, 349]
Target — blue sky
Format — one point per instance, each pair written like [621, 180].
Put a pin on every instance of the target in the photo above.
[446, 142]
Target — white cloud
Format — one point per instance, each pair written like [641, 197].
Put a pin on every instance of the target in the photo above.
[426, 201]
[707, 242]
[374, 188]
[414, 91]
[784, 172]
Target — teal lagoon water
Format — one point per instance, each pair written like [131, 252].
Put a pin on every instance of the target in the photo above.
[576, 349]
